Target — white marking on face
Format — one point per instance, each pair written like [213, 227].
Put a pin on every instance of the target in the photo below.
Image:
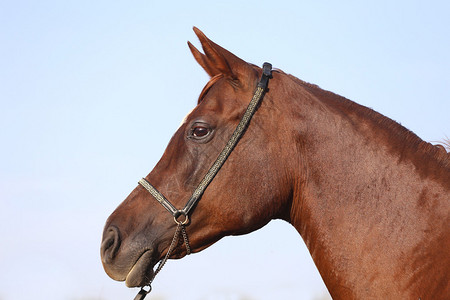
[185, 118]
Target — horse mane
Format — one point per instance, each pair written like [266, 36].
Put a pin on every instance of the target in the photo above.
[398, 136]
[446, 144]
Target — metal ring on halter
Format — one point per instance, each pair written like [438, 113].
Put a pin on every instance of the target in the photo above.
[149, 288]
[178, 214]
[142, 293]
[209, 176]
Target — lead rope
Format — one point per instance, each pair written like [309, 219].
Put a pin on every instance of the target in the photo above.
[181, 227]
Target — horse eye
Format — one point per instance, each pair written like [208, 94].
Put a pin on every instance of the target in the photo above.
[200, 131]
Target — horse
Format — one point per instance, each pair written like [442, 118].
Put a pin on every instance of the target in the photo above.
[370, 199]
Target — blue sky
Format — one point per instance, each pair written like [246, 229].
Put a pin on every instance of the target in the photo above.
[91, 92]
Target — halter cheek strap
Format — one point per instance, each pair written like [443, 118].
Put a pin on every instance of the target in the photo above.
[212, 172]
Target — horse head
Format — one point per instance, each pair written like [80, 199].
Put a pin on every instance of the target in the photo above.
[241, 197]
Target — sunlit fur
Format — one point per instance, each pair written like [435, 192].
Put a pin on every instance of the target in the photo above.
[370, 199]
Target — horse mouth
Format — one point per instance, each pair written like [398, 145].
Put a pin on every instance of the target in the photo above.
[142, 271]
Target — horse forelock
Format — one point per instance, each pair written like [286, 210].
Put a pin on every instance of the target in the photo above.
[208, 86]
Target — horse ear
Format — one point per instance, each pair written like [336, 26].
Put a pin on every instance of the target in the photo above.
[218, 60]
[203, 61]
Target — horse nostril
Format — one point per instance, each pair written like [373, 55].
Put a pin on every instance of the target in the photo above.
[110, 244]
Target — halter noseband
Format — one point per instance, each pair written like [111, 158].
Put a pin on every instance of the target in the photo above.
[212, 172]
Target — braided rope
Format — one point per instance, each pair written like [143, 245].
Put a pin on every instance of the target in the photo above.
[180, 228]
[212, 172]
[232, 142]
[158, 196]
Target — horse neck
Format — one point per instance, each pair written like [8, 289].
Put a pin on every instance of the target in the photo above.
[368, 213]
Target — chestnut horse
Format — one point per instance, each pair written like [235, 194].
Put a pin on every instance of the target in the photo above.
[370, 199]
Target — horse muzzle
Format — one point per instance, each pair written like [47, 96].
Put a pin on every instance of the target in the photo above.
[134, 265]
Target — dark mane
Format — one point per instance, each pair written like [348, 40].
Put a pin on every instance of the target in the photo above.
[398, 136]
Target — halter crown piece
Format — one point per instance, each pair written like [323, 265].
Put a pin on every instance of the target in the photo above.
[212, 172]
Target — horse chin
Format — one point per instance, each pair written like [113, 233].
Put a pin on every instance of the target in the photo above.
[142, 271]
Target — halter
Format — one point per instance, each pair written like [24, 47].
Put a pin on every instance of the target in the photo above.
[212, 172]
